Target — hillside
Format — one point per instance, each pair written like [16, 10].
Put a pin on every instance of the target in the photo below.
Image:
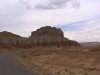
[6, 34]
[90, 44]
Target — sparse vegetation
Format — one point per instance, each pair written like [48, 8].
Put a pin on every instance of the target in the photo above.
[60, 61]
[91, 69]
[6, 50]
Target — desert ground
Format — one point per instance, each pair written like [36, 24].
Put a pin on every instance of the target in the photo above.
[7, 50]
[61, 61]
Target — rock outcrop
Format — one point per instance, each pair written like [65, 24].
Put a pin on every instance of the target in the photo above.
[9, 35]
[45, 36]
[52, 36]
[47, 32]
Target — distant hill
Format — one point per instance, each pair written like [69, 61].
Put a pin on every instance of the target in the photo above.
[90, 44]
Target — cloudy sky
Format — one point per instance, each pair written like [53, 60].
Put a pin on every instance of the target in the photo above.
[79, 19]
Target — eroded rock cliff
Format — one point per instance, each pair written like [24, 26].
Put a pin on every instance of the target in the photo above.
[9, 35]
[47, 31]
[45, 36]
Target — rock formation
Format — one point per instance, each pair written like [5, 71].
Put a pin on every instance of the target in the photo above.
[47, 32]
[9, 35]
[51, 36]
[45, 36]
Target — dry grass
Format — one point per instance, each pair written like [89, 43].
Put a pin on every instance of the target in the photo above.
[7, 50]
[57, 61]
[2, 51]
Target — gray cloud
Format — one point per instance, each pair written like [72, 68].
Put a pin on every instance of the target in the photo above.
[49, 4]
[76, 4]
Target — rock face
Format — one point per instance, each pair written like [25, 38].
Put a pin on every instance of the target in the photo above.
[47, 32]
[45, 36]
[9, 35]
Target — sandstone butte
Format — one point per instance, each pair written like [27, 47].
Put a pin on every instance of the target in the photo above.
[45, 36]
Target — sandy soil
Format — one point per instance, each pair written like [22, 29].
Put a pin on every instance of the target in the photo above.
[66, 61]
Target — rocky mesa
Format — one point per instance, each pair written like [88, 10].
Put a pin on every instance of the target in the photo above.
[45, 36]
[47, 31]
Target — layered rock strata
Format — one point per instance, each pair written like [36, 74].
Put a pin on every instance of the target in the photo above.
[45, 36]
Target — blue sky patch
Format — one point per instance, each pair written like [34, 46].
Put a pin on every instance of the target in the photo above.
[75, 26]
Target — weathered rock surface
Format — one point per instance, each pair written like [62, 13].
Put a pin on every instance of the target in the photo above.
[9, 35]
[47, 32]
[45, 36]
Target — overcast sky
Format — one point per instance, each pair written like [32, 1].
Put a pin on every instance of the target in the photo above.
[79, 19]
